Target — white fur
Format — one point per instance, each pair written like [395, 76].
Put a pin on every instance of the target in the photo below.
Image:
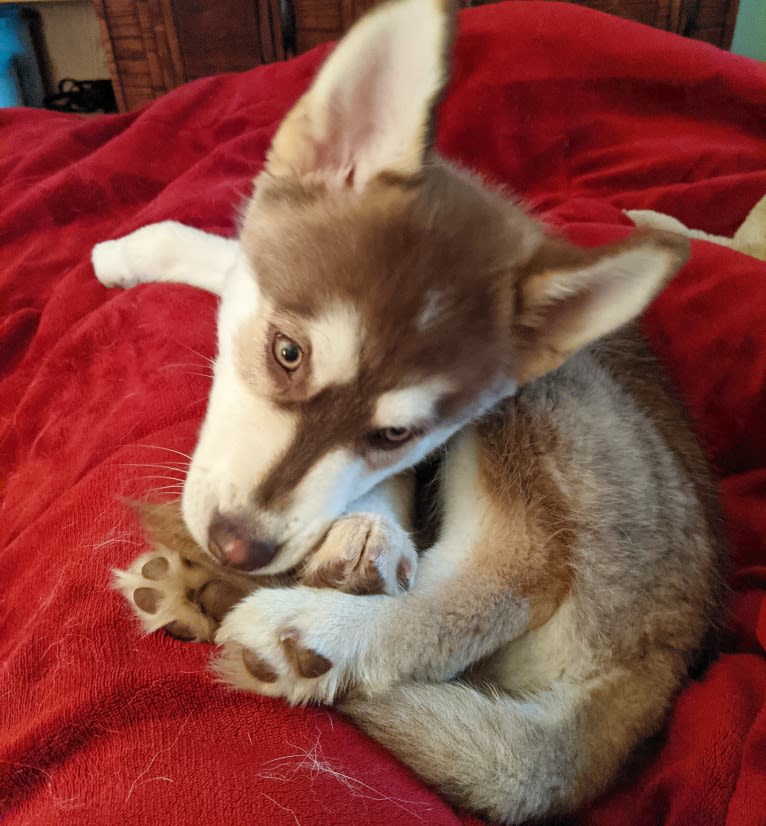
[374, 642]
[463, 507]
[335, 346]
[336, 480]
[171, 590]
[749, 239]
[409, 406]
[167, 252]
[338, 626]
[436, 304]
[240, 301]
[243, 433]
[555, 651]
[320, 497]
[242, 436]
[366, 542]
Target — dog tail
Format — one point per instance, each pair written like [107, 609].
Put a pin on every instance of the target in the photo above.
[507, 758]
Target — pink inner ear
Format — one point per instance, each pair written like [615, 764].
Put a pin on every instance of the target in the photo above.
[368, 109]
[359, 122]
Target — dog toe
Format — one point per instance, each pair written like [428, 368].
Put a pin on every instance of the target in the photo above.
[178, 595]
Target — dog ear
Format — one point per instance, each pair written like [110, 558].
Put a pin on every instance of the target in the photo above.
[569, 297]
[371, 107]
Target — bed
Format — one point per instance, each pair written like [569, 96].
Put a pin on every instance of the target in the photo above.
[102, 393]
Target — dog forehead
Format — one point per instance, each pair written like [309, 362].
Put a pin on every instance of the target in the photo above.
[394, 243]
[313, 251]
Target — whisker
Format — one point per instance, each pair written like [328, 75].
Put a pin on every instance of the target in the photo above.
[187, 371]
[172, 466]
[191, 404]
[196, 352]
[168, 478]
[176, 488]
[170, 449]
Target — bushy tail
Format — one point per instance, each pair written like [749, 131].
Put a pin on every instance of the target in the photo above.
[750, 238]
[512, 759]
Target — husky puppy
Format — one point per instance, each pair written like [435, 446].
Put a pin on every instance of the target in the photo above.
[381, 306]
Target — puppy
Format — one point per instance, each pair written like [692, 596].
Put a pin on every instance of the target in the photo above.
[382, 306]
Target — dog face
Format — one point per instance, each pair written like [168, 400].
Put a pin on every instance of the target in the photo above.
[382, 299]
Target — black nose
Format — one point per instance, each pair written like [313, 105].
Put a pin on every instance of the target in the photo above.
[231, 542]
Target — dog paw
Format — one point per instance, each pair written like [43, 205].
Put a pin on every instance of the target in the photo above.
[180, 595]
[303, 644]
[363, 554]
[111, 266]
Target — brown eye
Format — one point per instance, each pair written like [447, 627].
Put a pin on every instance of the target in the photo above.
[388, 438]
[287, 352]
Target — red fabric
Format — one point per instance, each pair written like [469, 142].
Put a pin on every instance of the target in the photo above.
[582, 114]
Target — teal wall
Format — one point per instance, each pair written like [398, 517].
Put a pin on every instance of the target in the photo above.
[750, 31]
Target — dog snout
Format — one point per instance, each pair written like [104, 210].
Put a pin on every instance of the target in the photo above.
[235, 544]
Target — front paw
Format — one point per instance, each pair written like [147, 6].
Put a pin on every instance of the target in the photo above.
[299, 643]
[363, 553]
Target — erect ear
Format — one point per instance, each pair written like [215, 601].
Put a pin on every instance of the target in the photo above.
[569, 297]
[371, 107]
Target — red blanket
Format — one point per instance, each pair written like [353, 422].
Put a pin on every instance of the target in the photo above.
[102, 393]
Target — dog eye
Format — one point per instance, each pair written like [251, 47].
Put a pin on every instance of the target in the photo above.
[287, 353]
[388, 438]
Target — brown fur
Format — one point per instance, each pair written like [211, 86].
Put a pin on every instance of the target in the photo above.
[529, 519]
[177, 576]
[405, 232]
[608, 520]
[388, 225]
[577, 562]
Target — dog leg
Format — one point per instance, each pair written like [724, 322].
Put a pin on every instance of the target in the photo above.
[667, 223]
[516, 758]
[750, 238]
[166, 252]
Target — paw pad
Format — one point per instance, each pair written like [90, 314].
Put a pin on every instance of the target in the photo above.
[184, 597]
[258, 667]
[155, 569]
[146, 599]
[180, 631]
[307, 662]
